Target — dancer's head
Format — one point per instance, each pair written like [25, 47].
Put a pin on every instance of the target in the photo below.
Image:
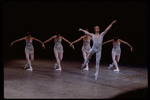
[96, 29]
[115, 38]
[29, 34]
[57, 33]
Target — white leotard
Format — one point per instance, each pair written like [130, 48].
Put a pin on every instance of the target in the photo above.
[86, 45]
[116, 48]
[29, 47]
[58, 46]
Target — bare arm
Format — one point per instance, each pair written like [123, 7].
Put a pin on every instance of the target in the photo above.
[77, 40]
[36, 40]
[86, 32]
[39, 41]
[127, 44]
[18, 40]
[49, 39]
[67, 41]
[106, 30]
[108, 41]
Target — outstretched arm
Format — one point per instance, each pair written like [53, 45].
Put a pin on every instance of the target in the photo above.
[67, 41]
[49, 39]
[36, 40]
[86, 32]
[108, 41]
[106, 30]
[39, 41]
[18, 40]
[127, 44]
[77, 40]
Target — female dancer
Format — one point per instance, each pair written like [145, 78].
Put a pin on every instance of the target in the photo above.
[29, 49]
[116, 51]
[85, 48]
[97, 43]
[58, 48]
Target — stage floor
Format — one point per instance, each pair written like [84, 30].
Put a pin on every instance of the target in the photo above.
[71, 82]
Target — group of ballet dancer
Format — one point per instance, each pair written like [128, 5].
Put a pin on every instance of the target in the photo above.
[87, 51]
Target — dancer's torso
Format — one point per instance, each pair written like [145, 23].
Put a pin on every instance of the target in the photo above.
[116, 48]
[97, 42]
[29, 47]
[58, 46]
[86, 45]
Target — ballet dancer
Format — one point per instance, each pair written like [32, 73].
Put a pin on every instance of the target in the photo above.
[116, 51]
[29, 49]
[97, 45]
[85, 48]
[58, 48]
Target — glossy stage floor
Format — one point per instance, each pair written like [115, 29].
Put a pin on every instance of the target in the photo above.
[72, 81]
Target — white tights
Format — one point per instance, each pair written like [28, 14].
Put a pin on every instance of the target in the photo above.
[98, 57]
[28, 58]
[85, 54]
[115, 59]
[59, 57]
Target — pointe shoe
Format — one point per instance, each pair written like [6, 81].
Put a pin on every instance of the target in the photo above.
[55, 65]
[30, 69]
[86, 68]
[25, 66]
[116, 70]
[110, 66]
[58, 69]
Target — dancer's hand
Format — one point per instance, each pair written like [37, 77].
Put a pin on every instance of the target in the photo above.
[115, 21]
[70, 44]
[131, 49]
[73, 47]
[11, 44]
[79, 29]
[43, 45]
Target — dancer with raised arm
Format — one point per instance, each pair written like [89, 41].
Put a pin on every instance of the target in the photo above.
[29, 49]
[86, 46]
[58, 48]
[97, 45]
[116, 51]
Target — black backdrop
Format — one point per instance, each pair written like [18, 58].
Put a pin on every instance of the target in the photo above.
[44, 18]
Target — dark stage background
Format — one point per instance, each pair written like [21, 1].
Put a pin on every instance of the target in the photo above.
[44, 18]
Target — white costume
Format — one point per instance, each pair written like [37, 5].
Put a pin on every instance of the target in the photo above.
[58, 51]
[85, 50]
[29, 49]
[86, 45]
[116, 51]
[58, 46]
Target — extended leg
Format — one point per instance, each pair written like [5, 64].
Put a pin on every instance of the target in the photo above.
[98, 57]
